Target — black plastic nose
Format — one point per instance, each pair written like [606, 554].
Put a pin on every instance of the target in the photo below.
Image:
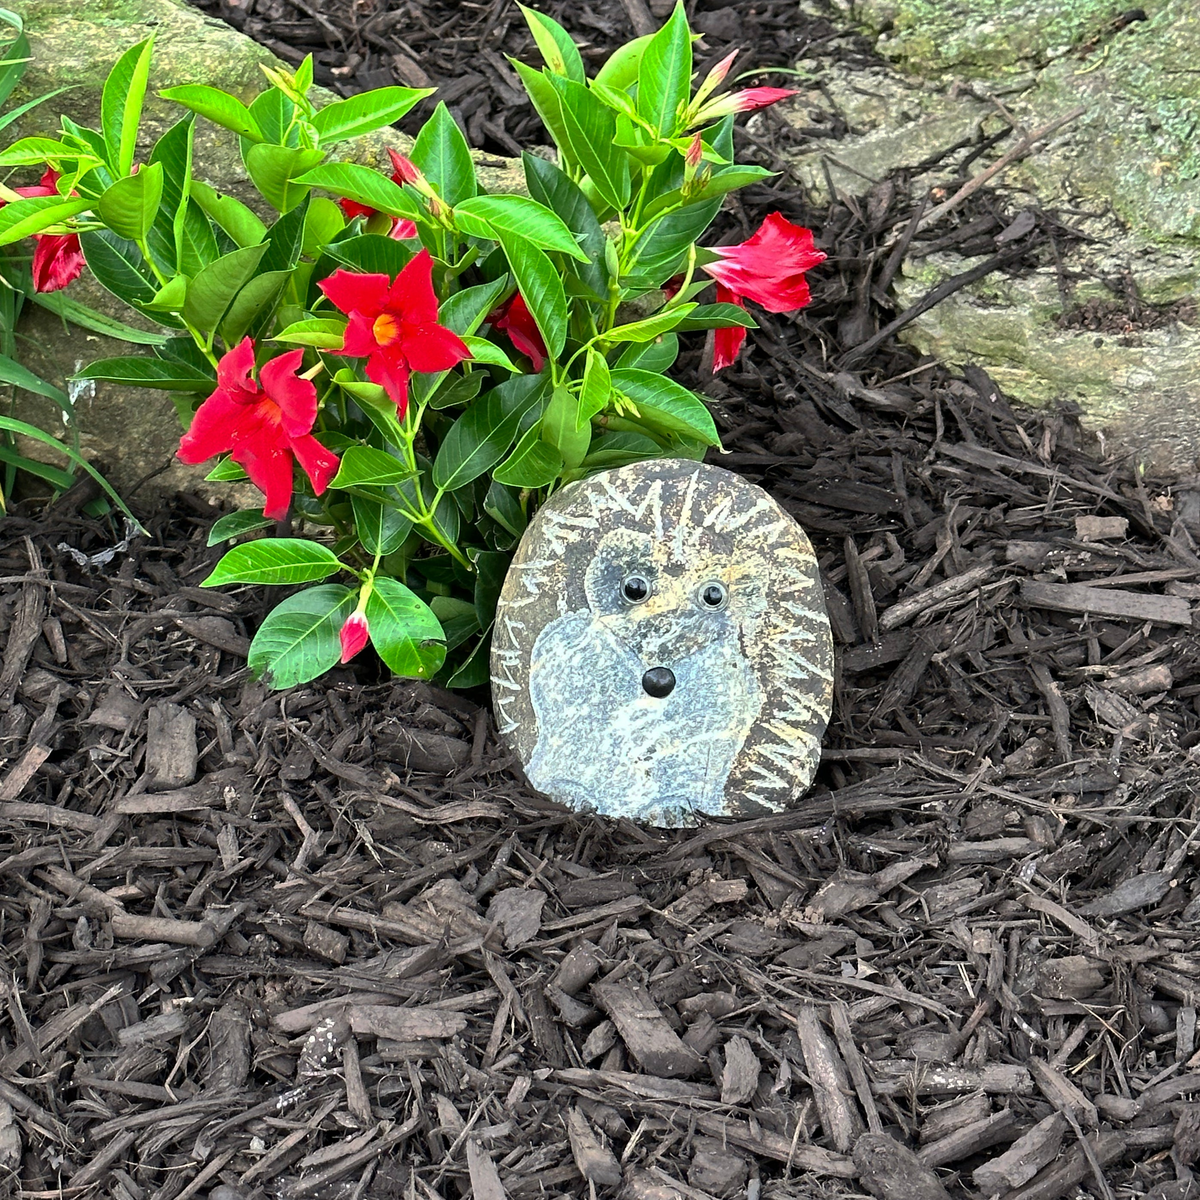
[658, 682]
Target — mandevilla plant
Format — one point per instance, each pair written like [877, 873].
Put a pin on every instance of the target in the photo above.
[435, 359]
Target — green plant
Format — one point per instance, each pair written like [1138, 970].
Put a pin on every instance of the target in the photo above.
[457, 355]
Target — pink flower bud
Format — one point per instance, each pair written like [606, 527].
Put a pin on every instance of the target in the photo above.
[716, 76]
[694, 152]
[355, 635]
[405, 169]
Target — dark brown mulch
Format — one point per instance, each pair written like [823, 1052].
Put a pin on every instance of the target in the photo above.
[327, 943]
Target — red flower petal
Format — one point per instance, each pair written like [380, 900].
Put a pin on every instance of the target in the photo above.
[391, 373]
[762, 97]
[57, 260]
[402, 230]
[432, 347]
[268, 462]
[359, 339]
[517, 321]
[405, 169]
[212, 429]
[727, 343]
[769, 267]
[354, 292]
[318, 463]
[233, 371]
[297, 398]
[353, 209]
[355, 634]
[412, 297]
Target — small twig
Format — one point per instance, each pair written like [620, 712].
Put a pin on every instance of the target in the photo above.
[1005, 160]
[641, 17]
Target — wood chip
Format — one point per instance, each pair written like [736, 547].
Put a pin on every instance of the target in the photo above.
[654, 1045]
[1107, 602]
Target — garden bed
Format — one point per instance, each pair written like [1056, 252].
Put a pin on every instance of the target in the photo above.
[328, 943]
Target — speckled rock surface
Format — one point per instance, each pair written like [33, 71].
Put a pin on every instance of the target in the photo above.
[661, 647]
[1126, 173]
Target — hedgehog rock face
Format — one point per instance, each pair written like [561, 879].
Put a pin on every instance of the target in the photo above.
[661, 647]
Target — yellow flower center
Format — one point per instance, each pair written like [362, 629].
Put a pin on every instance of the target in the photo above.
[386, 329]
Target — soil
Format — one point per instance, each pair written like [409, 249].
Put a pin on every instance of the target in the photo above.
[328, 943]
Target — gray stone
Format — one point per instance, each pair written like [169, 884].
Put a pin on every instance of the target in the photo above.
[1128, 168]
[135, 432]
[661, 647]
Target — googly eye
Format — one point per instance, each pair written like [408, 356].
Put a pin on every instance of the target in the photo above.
[635, 588]
[713, 595]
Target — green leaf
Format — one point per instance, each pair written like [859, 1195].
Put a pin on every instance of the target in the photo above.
[476, 670]
[364, 186]
[483, 216]
[32, 150]
[591, 131]
[13, 372]
[459, 391]
[533, 464]
[559, 52]
[322, 223]
[121, 104]
[482, 435]
[171, 296]
[274, 113]
[118, 265]
[219, 107]
[665, 73]
[464, 311]
[483, 351]
[504, 507]
[275, 560]
[325, 334]
[171, 231]
[716, 316]
[227, 471]
[35, 213]
[716, 187]
[275, 171]
[650, 328]
[284, 241]
[666, 405]
[235, 524]
[551, 187]
[656, 357]
[596, 389]
[299, 639]
[621, 68]
[254, 299]
[541, 286]
[619, 450]
[381, 528]
[442, 155]
[491, 566]
[564, 429]
[545, 99]
[213, 290]
[168, 374]
[229, 214]
[11, 425]
[364, 465]
[16, 55]
[88, 318]
[365, 113]
[372, 254]
[661, 247]
[402, 628]
[129, 207]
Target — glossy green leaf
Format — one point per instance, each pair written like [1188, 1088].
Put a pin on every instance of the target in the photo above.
[13, 372]
[275, 171]
[274, 114]
[533, 464]
[596, 389]
[666, 405]
[442, 155]
[457, 391]
[620, 69]
[251, 304]
[663, 245]
[483, 434]
[129, 207]
[657, 356]
[121, 104]
[483, 351]
[551, 187]
[650, 328]
[476, 670]
[219, 107]
[491, 567]
[229, 214]
[227, 471]
[364, 186]
[322, 223]
[381, 528]
[170, 375]
[619, 450]
[665, 73]
[236, 524]
[171, 296]
[563, 428]
[364, 465]
[213, 290]
[324, 334]
[591, 131]
[541, 286]
[35, 150]
[274, 560]
[546, 100]
[503, 505]
[89, 318]
[35, 213]
[485, 216]
[404, 630]
[299, 638]
[372, 254]
[365, 112]
[559, 52]
[716, 316]
[719, 185]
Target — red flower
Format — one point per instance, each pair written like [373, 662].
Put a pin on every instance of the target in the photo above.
[515, 319]
[393, 325]
[354, 635]
[401, 228]
[57, 259]
[739, 102]
[264, 427]
[767, 268]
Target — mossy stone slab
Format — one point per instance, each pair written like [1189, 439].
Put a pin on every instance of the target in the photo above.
[661, 647]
